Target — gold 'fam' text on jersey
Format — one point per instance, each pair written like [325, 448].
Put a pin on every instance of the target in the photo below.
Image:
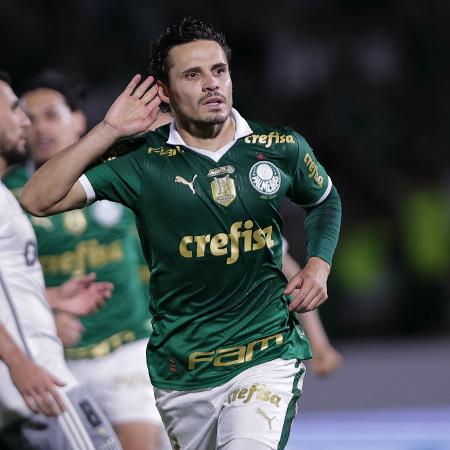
[211, 232]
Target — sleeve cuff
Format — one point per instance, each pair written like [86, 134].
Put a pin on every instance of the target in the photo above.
[322, 197]
[88, 189]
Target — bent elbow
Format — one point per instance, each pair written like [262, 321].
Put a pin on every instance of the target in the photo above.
[30, 205]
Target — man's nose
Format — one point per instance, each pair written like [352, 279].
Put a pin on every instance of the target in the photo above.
[24, 119]
[210, 83]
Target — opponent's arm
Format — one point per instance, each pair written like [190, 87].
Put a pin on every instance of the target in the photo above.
[36, 386]
[54, 187]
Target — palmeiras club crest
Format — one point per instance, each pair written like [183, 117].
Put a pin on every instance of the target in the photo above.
[265, 177]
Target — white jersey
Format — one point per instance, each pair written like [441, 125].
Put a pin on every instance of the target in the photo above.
[22, 290]
[24, 310]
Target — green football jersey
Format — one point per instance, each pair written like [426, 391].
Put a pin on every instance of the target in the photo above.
[97, 239]
[211, 234]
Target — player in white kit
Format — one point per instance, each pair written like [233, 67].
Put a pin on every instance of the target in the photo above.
[68, 418]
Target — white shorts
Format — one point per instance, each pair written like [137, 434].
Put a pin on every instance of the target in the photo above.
[120, 384]
[258, 404]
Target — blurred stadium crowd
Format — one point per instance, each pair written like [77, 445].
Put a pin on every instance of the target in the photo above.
[366, 82]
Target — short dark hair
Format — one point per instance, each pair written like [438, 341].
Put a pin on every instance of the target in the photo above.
[182, 32]
[4, 76]
[72, 91]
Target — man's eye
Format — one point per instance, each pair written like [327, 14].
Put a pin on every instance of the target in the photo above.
[191, 75]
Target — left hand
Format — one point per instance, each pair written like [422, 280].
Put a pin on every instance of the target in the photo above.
[82, 295]
[309, 286]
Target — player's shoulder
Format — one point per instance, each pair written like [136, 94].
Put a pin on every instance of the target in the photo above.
[6, 197]
[15, 178]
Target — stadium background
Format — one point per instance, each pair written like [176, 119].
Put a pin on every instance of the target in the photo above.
[367, 84]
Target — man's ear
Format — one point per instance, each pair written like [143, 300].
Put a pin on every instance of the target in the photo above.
[80, 120]
[163, 92]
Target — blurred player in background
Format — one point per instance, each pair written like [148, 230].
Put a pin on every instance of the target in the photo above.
[226, 352]
[106, 349]
[68, 418]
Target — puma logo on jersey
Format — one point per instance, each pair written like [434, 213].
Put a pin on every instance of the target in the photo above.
[263, 413]
[182, 180]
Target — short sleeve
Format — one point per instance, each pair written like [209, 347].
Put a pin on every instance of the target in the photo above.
[310, 184]
[117, 180]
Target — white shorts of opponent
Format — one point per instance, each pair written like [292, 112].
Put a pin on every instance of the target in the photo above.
[81, 427]
[120, 384]
[254, 410]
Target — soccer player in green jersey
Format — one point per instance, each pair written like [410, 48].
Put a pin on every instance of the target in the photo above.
[225, 355]
[108, 354]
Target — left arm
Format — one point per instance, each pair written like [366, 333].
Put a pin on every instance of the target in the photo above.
[322, 224]
[326, 358]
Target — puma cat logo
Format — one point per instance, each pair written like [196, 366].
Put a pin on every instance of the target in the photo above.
[179, 179]
[263, 413]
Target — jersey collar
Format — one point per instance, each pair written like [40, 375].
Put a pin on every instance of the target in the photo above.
[242, 129]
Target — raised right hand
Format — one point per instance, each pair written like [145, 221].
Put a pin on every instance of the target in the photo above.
[135, 110]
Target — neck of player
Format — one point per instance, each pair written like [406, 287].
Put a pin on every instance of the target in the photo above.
[210, 137]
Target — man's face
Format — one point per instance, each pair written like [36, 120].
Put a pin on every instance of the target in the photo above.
[54, 126]
[200, 88]
[13, 123]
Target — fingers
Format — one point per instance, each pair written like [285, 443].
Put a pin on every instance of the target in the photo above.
[46, 401]
[86, 280]
[104, 285]
[101, 292]
[29, 401]
[150, 95]
[49, 403]
[90, 277]
[132, 84]
[308, 298]
[143, 88]
[302, 305]
[295, 283]
[56, 380]
[47, 398]
[46, 404]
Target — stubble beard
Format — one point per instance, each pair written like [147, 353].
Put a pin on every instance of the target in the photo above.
[15, 154]
[214, 119]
